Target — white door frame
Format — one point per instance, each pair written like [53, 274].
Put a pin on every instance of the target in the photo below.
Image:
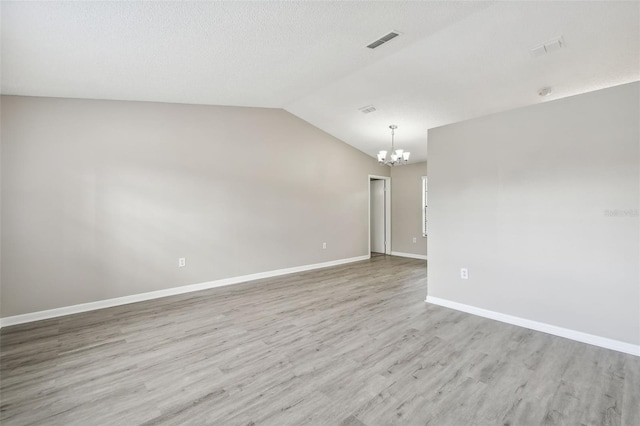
[387, 214]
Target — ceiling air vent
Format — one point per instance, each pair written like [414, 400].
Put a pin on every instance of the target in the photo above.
[547, 47]
[383, 40]
[367, 109]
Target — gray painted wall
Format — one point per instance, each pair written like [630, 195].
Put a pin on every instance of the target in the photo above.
[101, 198]
[541, 204]
[406, 209]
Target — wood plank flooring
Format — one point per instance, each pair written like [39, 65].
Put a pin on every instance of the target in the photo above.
[353, 345]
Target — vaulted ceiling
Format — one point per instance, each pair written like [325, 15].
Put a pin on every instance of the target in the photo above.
[453, 60]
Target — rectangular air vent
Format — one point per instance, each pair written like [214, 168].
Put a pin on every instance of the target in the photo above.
[547, 47]
[382, 40]
[367, 109]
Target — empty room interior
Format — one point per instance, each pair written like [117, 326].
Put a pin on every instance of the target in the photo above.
[320, 213]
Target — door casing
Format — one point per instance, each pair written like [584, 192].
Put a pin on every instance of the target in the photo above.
[387, 202]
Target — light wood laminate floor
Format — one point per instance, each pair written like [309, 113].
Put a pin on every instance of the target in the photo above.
[349, 345]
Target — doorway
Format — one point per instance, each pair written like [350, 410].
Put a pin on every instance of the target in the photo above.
[379, 215]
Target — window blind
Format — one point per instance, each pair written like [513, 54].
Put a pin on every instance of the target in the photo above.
[424, 206]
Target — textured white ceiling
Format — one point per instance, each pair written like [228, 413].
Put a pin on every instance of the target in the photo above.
[454, 61]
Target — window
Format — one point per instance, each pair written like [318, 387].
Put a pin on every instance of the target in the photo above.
[424, 206]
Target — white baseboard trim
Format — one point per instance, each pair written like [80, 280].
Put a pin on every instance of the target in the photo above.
[411, 255]
[578, 336]
[108, 303]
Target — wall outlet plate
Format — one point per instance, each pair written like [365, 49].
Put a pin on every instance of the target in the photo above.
[464, 273]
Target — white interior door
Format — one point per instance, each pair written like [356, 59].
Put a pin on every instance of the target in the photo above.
[378, 230]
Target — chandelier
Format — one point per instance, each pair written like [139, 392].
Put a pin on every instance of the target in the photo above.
[397, 157]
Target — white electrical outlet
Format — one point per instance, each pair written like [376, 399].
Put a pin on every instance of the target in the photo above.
[415, 240]
[182, 262]
[464, 273]
[324, 246]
